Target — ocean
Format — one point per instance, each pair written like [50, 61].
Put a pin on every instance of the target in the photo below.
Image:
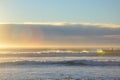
[60, 68]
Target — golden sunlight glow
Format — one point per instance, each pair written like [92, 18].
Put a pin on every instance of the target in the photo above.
[4, 31]
[14, 37]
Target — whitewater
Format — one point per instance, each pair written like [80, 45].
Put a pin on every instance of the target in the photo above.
[60, 68]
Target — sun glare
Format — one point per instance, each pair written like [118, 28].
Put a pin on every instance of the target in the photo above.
[3, 46]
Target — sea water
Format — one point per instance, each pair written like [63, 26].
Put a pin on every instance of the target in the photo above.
[60, 68]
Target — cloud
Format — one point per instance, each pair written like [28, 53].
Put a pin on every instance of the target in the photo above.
[112, 36]
[77, 34]
[76, 24]
[62, 24]
[102, 25]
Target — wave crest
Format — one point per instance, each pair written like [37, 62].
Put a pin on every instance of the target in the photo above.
[70, 63]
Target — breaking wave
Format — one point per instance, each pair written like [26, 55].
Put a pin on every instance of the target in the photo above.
[69, 62]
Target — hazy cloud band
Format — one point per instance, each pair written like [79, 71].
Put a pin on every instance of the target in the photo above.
[49, 34]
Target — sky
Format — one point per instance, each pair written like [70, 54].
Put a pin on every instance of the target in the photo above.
[59, 23]
[92, 11]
